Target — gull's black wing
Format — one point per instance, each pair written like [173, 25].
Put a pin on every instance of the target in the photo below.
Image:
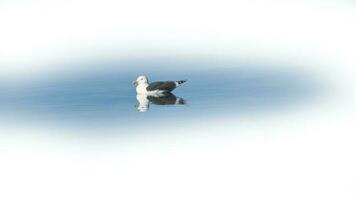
[167, 86]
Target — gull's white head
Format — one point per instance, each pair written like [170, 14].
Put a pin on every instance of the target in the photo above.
[140, 80]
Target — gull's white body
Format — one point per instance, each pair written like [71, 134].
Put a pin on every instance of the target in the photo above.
[141, 88]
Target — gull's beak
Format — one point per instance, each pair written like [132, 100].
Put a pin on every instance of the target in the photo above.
[135, 83]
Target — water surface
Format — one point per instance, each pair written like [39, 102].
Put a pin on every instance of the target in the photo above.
[103, 95]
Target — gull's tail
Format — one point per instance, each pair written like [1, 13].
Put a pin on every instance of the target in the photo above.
[180, 82]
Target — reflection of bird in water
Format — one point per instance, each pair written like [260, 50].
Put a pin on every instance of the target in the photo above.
[155, 88]
[165, 99]
[169, 99]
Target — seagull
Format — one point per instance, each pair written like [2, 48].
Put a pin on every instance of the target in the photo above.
[158, 88]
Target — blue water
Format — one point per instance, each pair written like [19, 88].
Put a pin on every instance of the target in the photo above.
[102, 94]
